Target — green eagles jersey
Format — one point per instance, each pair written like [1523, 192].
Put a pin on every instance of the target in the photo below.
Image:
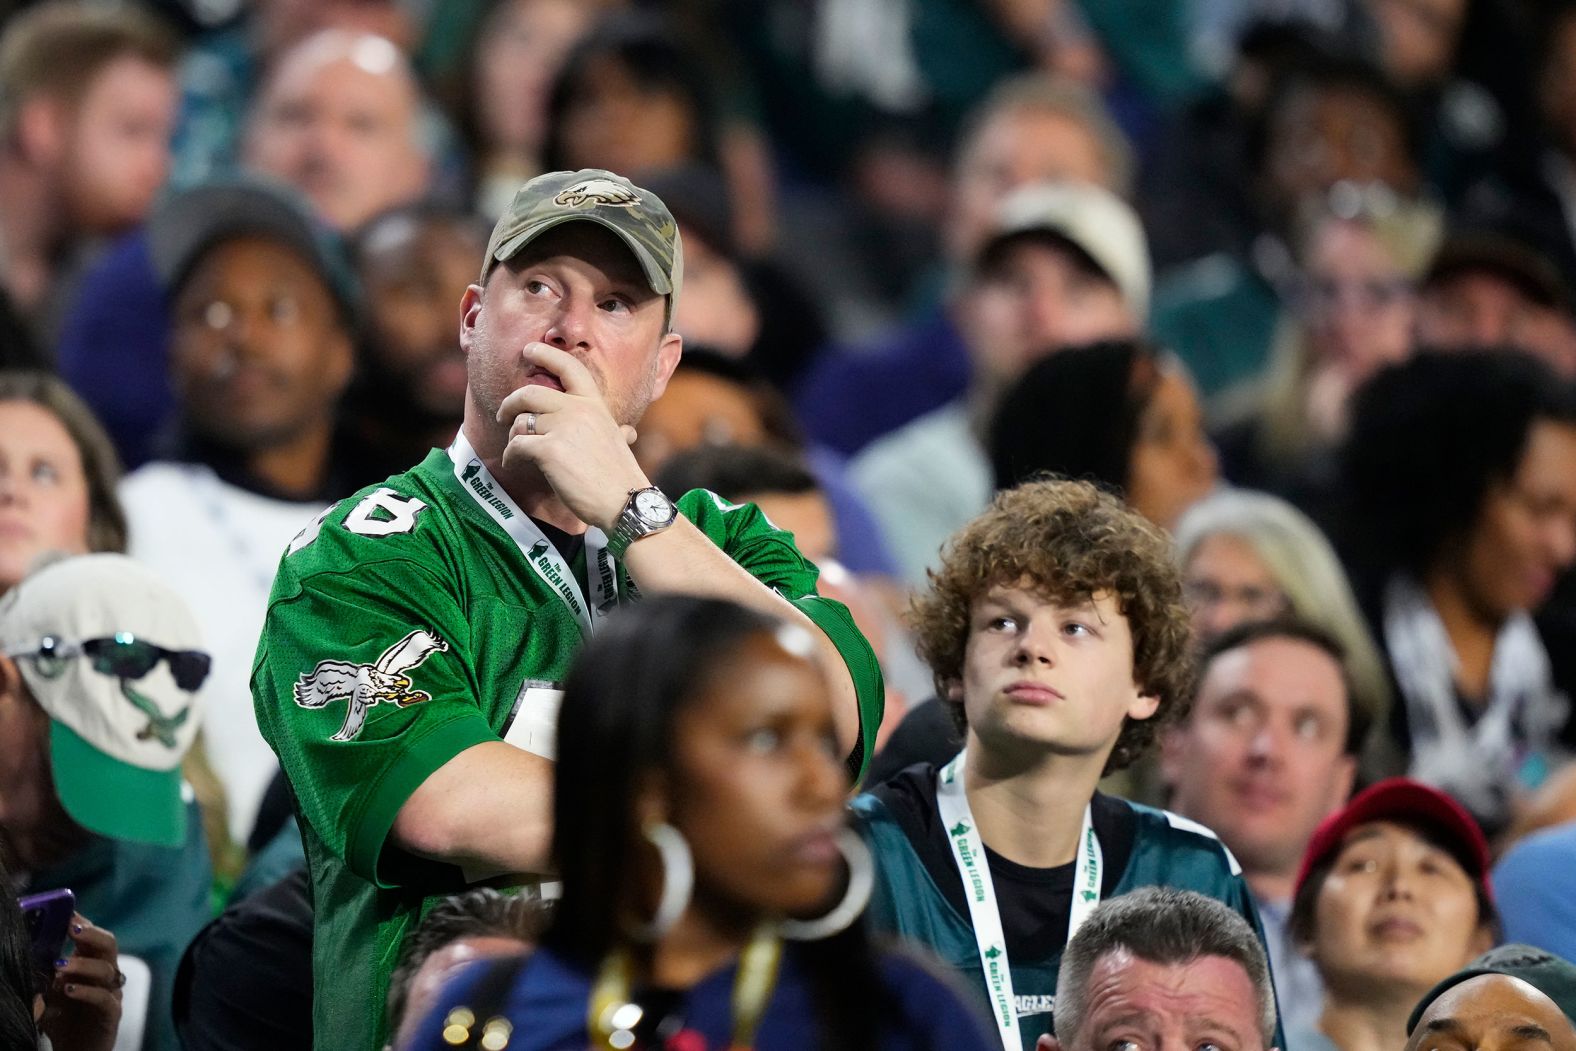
[406, 626]
[1159, 848]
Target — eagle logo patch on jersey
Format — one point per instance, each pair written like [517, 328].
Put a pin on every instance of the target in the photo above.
[364, 685]
[597, 191]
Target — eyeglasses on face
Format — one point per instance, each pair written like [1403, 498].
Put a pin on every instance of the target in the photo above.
[124, 656]
[1253, 599]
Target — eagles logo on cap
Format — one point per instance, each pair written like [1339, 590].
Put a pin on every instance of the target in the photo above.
[637, 216]
[598, 191]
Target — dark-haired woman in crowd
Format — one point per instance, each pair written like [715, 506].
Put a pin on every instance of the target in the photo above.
[1461, 473]
[634, 96]
[699, 833]
[1119, 413]
[499, 93]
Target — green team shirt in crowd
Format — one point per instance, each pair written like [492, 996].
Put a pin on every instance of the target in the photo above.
[407, 625]
[919, 894]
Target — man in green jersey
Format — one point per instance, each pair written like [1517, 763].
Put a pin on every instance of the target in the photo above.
[408, 671]
[1056, 634]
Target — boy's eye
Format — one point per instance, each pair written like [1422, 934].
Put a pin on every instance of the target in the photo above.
[1075, 628]
[1001, 622]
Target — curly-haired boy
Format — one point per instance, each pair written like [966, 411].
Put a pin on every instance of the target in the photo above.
[1056, 633]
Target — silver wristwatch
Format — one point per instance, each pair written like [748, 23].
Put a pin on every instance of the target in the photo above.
[646, 511]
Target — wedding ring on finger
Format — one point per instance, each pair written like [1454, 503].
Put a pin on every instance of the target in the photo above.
[530, 423]
[120, 978]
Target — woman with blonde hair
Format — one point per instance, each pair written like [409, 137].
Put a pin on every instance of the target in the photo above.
[1352, 304]
[1251, 556]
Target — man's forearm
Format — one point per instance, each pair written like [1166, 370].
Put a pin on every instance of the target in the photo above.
[488, 810]
[682, 559]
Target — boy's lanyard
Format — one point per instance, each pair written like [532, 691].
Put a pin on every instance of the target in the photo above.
[968, 851]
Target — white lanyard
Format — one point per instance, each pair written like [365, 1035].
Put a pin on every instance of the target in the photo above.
[969, 852]
[539, 551]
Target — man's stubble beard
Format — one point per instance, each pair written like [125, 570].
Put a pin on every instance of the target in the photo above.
[488, 392]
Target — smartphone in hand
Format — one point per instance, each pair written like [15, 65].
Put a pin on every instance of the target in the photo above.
[48, 919]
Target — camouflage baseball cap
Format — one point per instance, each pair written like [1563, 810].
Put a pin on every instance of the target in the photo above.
[637, 216]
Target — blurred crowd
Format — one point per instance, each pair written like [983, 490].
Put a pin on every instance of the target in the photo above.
[1295, 280]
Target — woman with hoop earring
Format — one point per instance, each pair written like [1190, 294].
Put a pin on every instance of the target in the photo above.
[711, 888]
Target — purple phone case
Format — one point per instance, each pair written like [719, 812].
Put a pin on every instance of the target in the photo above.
[48, 919]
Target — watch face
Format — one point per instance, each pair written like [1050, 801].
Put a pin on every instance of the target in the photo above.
[652, 507]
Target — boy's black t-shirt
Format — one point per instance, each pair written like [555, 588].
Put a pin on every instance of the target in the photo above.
[1035, 903]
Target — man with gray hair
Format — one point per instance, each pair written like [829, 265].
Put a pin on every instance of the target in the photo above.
[1164, 970]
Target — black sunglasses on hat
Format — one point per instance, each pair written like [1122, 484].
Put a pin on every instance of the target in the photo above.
[125, 656]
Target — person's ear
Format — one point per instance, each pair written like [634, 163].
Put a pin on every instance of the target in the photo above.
[668, 353]
[470, 307]
[1047, 1042]
[953, 694]
[1143, 706]
[653, 799]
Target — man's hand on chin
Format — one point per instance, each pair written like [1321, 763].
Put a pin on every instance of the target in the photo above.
[572, 438]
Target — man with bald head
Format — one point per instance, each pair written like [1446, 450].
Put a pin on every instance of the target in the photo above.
[1512, 997]
[340, 120]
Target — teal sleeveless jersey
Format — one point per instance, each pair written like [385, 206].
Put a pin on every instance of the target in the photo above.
[1167, 851]
[406, 626]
